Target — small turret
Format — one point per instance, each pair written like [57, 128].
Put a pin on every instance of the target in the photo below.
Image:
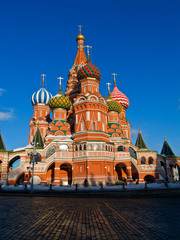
[140, 143]
[166, 149]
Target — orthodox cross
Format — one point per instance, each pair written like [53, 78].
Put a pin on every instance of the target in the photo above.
[114, 74]
[88, 47]
[80, 28]
[43, 77]
[108, 84]
[60, 78]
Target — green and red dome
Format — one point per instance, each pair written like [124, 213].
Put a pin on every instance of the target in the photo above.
[88, 70]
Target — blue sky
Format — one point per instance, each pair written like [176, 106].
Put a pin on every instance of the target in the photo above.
[138, 40]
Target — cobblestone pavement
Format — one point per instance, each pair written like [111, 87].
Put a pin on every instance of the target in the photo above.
[89, 218]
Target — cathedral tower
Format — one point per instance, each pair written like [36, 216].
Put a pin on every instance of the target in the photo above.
[40, 101]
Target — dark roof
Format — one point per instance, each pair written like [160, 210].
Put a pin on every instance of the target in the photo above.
[2, 146]
[38, 139]
[140, 143]
[166, 150]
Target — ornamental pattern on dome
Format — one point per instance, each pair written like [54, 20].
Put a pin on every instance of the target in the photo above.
[89, 70]
[60, 101]
[41, 96]
[114, 106]
[120, 97]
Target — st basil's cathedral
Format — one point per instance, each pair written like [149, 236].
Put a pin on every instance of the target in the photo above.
[87, 140]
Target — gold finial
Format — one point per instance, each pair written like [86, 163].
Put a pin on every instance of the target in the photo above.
[79, 28]
[139, 129]
[60, 78]
[164, 137]
[108, 84]
[114, 74]
[43, 77]
[88, 47]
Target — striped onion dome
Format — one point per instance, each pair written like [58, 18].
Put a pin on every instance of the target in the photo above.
[60, 101]
[112, 104]
[41, 96]
[88, 70]
[120, 97]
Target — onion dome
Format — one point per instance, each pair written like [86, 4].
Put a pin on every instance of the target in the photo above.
[60, 101]
[88, 70]
[120, 97]
[41, 96]
[113, 105]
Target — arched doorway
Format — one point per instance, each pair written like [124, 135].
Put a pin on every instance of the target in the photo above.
[149, 179]
[121, 172]
[66, 174]
[135, 174]
[50, 173]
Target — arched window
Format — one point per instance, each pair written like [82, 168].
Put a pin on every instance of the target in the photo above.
[94, 126]
[84, 146]
[106, 147]
[132, 153]
[90, 147]
[150, 160]
[96, 147]
[80, 147]
[82, 126]
[143, 160]
[63, 148]
[121, 149]
[76, 148]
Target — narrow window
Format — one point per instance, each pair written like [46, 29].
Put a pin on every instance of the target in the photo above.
[143, 160]
[94, 126]
[99, 116]
[87, 116]
[82, 126]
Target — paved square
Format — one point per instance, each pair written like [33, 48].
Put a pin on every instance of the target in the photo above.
[89, 218]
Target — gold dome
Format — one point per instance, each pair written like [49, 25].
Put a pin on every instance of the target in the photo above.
[80, 37]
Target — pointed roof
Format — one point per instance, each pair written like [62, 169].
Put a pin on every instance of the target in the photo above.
[166, 149]
[140, 143]
[38, 139]
[2, 145]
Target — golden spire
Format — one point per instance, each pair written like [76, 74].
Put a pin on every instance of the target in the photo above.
[80, 36]
[88, 47]
[114, 74]
[43, 77]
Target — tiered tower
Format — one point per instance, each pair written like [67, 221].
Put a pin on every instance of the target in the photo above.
[73, 85]
[90, 106]
[124, 101]
[40, 119]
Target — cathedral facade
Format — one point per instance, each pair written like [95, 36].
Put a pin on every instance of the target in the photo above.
[87, 140]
